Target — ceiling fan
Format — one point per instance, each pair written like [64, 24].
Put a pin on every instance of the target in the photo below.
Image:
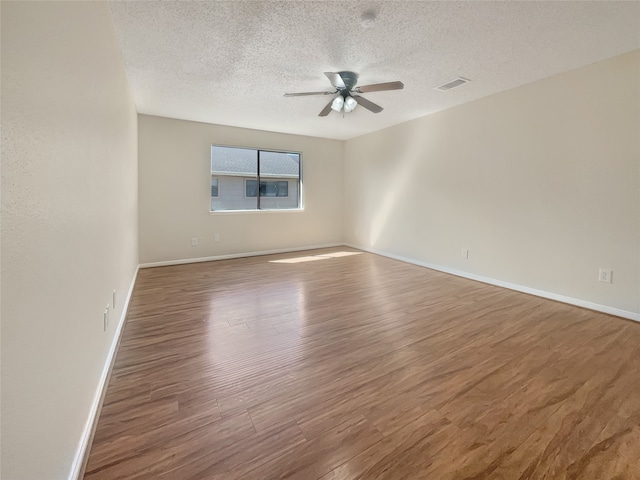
[345, 86]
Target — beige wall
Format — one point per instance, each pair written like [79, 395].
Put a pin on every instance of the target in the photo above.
[69, 224]
[174, 186]
[540, 183]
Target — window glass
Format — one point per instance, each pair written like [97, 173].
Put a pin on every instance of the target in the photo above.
[251, 188]
[231, 166]
[282, 189]
[279, 180]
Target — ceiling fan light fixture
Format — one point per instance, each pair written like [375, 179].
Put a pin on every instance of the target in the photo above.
[349, 104]
[337, 103]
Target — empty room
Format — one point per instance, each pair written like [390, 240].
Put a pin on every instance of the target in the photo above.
[320, 240]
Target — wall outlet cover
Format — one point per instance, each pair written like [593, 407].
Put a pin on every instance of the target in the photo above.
[605, 275]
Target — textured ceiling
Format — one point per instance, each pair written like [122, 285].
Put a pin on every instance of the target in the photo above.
[230, 63]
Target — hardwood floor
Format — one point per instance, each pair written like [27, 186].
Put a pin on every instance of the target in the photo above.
[325, 365]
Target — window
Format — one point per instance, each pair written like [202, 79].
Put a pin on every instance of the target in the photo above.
[252, 179]
[268, 188]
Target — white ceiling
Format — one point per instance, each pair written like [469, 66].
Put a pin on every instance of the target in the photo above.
[230, 63]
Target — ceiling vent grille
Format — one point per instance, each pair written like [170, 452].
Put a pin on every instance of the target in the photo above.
[453, 84]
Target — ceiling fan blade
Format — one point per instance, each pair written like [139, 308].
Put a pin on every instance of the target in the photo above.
[335, 79]
[377, 87]
[367, 104]
[304, 94]
[325, 111]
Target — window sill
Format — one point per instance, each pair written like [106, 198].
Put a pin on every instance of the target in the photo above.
[242, 212]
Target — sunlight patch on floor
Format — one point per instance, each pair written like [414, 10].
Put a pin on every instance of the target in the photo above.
[313, 258]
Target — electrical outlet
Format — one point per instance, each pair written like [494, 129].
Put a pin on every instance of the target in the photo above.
[105, 317]
[605, 275]
[113, 300]
[464, 253]
[194, 241]
[216, 237]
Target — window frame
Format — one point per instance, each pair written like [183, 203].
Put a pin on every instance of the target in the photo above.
[300, 192]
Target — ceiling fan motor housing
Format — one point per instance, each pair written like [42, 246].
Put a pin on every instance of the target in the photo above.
[350, 80]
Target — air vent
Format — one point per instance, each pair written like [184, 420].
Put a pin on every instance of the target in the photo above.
[453, 84]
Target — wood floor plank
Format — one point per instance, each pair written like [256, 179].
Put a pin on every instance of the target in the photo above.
[348, 385]
[236, 459]
[316, 457]
[407, 453]
[153, 434]
[175, 451]
[349, 365]
[135, 412]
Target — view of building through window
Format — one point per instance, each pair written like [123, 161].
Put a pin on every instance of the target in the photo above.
[268, 188]
[251, 179]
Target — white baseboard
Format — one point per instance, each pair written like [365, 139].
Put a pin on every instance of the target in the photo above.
[511, 286]
[83, 445]
[236, 255]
